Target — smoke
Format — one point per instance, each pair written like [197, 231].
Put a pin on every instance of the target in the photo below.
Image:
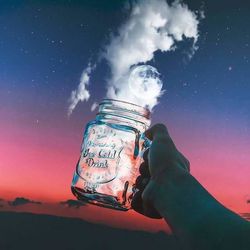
[81, 93]
[153, 25]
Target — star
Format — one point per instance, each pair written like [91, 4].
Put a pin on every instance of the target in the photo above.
[230, 68]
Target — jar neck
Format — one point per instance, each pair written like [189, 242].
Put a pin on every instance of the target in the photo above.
[122, 112]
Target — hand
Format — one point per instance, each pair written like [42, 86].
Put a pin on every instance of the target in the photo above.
[160, 161]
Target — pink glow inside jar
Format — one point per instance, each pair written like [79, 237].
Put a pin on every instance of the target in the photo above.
[111, 154]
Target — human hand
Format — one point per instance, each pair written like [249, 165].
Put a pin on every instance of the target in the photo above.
[161, 160]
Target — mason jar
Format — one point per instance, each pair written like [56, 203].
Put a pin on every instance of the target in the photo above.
[111, 154]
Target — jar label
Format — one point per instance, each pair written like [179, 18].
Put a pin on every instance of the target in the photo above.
[101, 154]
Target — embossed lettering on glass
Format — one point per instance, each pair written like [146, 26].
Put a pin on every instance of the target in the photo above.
[111, 154]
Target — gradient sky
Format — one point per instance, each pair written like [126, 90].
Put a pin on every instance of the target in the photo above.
[45, 45]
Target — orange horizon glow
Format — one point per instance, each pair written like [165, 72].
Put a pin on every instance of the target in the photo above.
[38, 162]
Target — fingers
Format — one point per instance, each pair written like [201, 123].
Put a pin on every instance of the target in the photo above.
[161, 154]
[144, 170]
[141, 183]
[145, 155]
[137, 202]
[151, 212]
[137, 205]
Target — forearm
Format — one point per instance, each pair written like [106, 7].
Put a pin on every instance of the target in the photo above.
[195, 217]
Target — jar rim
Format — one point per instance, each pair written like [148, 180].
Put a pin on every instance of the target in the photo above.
[120, 108]
[130, 103]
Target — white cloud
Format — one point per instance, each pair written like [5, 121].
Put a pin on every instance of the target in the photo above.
[94, 106]
[153, 25]
[81, 93]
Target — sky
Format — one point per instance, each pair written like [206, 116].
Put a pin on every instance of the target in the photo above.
[45, 45]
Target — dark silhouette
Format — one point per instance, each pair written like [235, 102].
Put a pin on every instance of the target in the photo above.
[169, 191]
[25, 231]
[1, 202]
[166, 190]
[73, 203]
[22, 201]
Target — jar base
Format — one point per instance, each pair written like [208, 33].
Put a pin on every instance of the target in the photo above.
[98, 199]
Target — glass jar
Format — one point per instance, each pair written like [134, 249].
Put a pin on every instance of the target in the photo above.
[111, 154]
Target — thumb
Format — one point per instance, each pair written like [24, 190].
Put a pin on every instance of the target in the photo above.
[157, 130]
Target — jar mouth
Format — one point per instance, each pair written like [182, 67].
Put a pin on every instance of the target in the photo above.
[134, 108]
[116, 100]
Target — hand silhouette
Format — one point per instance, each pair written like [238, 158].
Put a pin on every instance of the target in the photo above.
[167, 190]
[159, 160]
